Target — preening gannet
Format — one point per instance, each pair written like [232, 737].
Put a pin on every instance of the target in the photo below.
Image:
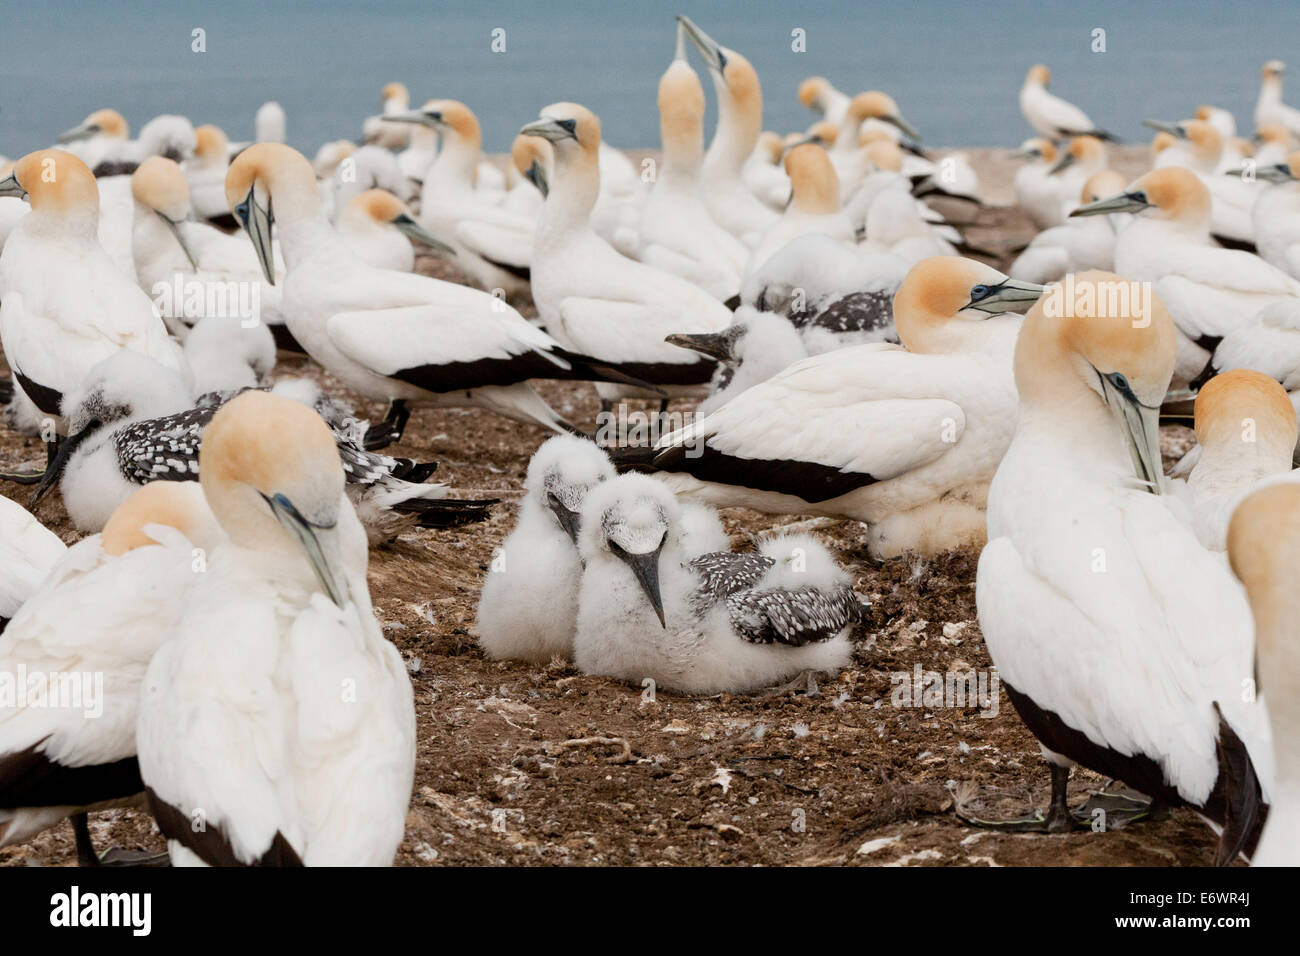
[1114, 655]
[1036, 188]
[905, 439]
[28, 550]
[1264, 547]
[53, 329]
[1079, 244]
[278, 713]
[1207, 290]
[740, 121]
[379, 228]
[1276, 214]
[94, 624]
[1269, 108]
[1050, 115]
[719, 622]
[814, 205]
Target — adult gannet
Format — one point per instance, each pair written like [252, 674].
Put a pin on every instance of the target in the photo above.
[756, 346]
[54, 330]
[1274, 143]
[1268, 342]
[101, 136]
[740, 120]
[93, 626]
[1276, 215]
[269, 123]
[1114, 655]
[526, 175]
[1050, 115]
[819, 95]
[379, 228]
[1264, 547]
[278, 713]
[814, 205]
[493, 247]
[390, 335]
[905, 439]
[28, 550]
[1269, 107]
[206, 175]
[595, 301]
[1084, 158]
[1036, 188]
[676, 232]
[370, 167]
[1232, 196]
[168, 135]
[1245, 432]
[1079, 244]
[870, 112]
[380, 130]
[720, 622]
[1207, 290]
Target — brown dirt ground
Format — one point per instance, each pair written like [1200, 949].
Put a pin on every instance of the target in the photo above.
[526, 765]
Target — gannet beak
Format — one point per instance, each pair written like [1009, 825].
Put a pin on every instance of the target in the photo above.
[569, 520]
[431, 120]
[1141, 425]
[1279, 173]
[553, 130]
[1013, 295]
[1025, 153]
[1066, 160]
[1124, 202]
[716, 345]
[907, 128]
[536, 174]
[412, 229]
[646, 568]
[712, 53]
[1173, 129]
[84, 131]
[9, 187]
[257, 223]
[55, 469]
[175, 227]
[320, 545]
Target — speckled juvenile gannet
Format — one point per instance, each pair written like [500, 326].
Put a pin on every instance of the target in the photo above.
[905, 439]
[1264, 547]
[1207, 290]
[1036, 191]
[720, 622]
[677, 234]
[740, 121]
[1115, 654]
[814, 205]
[1269, 108]
[390, 335]
[1079, 244]
[54, 330]
[1050, 115]
[92, 627]
[379, 228]
[1276, 214]
[282, 616]
[595, 301]
[28, 550]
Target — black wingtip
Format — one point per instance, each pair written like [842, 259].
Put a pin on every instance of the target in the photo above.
[634, 457]
[1244, 809]
[448, 512]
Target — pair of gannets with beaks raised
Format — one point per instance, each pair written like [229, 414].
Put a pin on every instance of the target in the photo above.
[278, 714]
[1116, 656]
[905, 439]
[1050, 115]
[389, 335]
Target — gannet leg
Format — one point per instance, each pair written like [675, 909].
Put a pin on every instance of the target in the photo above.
[1058, 819]
[86, 855]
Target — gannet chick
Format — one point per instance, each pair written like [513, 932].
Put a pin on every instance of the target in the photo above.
[528, 608]
[819, 95]
[597, 302]
[28, 550]
[1264, 547]
[282, 613]
[740, 121]
[1269, 107]
[1079, 244]
[677, 234]
[1246, 432]
[379, 228]
[752, 349]
[1276, 215]
[54, 330]
[103, 611]
[719, 623]
[269, 123]
[329, 157]
[814, 205]
[904, 439]
[226, 355]
[389, 335]
[1207, 290]
[493, 247]
[206, 175]
[1114, 656]
[1050, 115]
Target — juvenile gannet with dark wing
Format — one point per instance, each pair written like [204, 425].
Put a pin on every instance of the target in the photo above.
[1050, 115]
[278, 713]
[756, 346]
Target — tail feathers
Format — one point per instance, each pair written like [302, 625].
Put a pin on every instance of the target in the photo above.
[634, 457]
[447, 512]
[1244, 809]
[6, 390]
[1204, 376]
[586, 368]
[416, 472]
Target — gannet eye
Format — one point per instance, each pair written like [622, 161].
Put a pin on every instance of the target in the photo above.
[978, 292]
[242, 212]
[722, 60]
[571, 125]
[1140, 197]
[1119, 381]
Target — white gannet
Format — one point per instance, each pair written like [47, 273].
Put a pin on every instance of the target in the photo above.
[380, 130]
[1232, 197]
[676, 232]
[1079, 244]
[1245, 432]
[493, 247]
[1114, 654]
[1264, 547]
[415, 160]
[1274, 144]
[329, 156]
[1050, 115]
[1276, 214]
[278, 713]
[530, 164]
[528, 608]
[814, 205]
[1036, 188]
[1083, 158]
[269, 123]
[227, 355]
[390, 335]
[54, 330]
[1207, 290]
[28, 550]
[1269, 107]
[94, 624]
[103, 135]
[904, 439]
[1222, 120]
[370, 167]
[819, 95]
[206, 175]
[740, 121]
[597, 302]
[167, 135]
[379, 228]
[1268, 342]
[763, 173]
[874, 113]
[719, 622]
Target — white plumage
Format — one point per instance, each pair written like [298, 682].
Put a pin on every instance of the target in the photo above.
[1047, 113]
[28, 550]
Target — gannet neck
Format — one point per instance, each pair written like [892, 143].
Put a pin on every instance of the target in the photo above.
[815, 189]
[681, 123]
[456, 167]
[576, 179]
[740, 116]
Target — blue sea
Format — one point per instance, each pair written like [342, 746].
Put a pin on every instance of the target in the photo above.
[955, 67]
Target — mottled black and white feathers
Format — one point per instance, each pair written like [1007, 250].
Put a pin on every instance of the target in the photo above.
[796, 617]
[722, 573]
